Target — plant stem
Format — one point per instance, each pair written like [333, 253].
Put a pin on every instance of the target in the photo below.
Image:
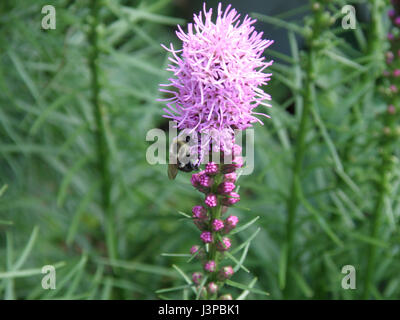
[377, 218]
[100, 114]
[293, 200]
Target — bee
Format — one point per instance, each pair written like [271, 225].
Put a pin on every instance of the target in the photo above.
[181, 149]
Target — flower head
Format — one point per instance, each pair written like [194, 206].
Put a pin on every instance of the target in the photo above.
[194, 249]
[226, 187]
[196, 277]
[224, 245]
[199, 212]
[231, 199]
[212, 288]
[217, 74]
[225, 273]
[230, 177]
[230, 223]
[211, 168]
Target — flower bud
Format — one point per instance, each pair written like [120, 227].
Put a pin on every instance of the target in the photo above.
[210, 266]
[211, 168]
[205, 181]
[206, 237]
[226, 297]
[217, 224]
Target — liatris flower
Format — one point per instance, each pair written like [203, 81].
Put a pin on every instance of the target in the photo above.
[215, 88]
[217, 74]
[205, 181]
[211, 200]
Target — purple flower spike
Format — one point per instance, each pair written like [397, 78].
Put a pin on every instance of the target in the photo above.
[397, 21]
[211, 200]
[217, 73]
[210, 266]
[391, 13]
[396, 73]
[217, 225]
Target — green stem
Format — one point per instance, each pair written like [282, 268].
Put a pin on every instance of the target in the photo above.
[385, 168]
[293, 198]
[377, 219]
[100, 115]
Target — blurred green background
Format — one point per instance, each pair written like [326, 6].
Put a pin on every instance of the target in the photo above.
[76, 190]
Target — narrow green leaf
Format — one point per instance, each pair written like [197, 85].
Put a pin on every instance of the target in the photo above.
[244, 287]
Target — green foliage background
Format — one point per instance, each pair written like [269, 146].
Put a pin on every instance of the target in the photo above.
[77, 192]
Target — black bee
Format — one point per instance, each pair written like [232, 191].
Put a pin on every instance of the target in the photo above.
[181, 149]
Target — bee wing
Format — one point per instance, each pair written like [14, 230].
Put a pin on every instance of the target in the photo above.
[172, 171]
